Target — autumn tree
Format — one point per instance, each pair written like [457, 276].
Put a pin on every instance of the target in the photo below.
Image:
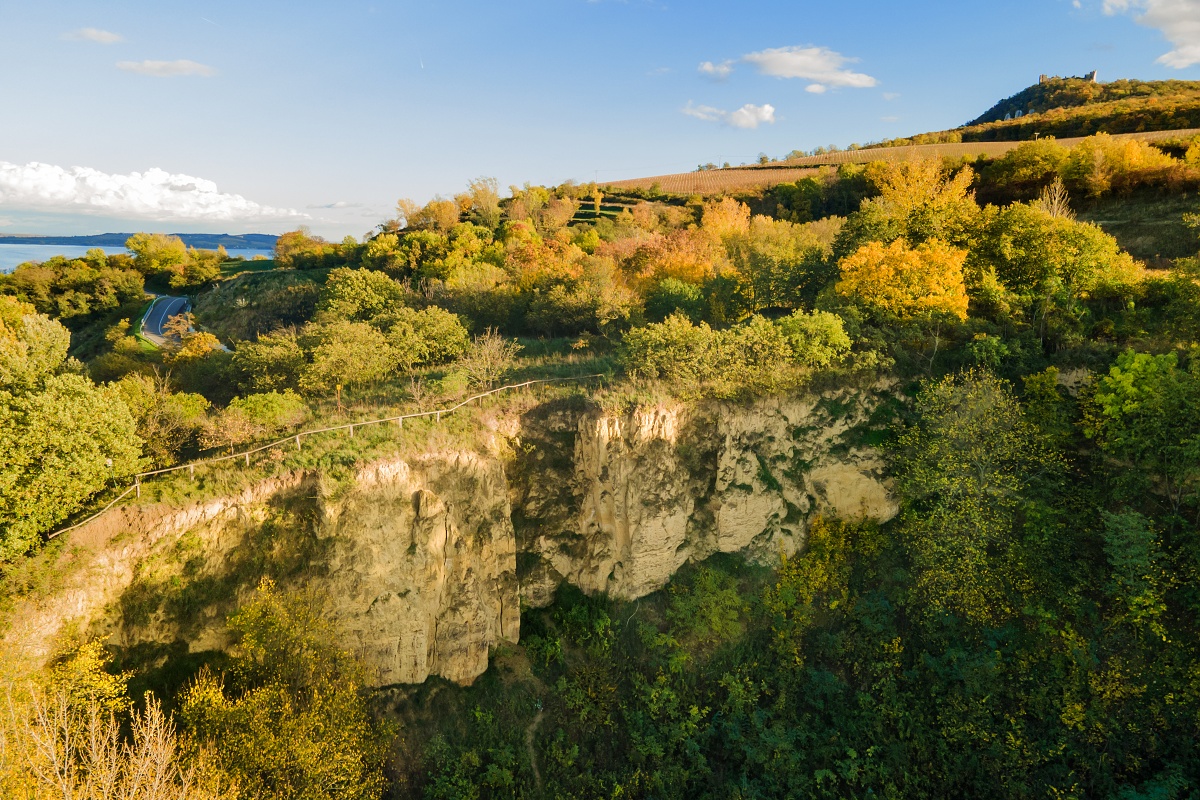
[917, 201]
[156, 252]
[725, 217]
[481, 202]
[290, 717]
[438, 214]
[906, 281]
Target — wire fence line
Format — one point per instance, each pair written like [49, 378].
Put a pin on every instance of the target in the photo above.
[97, 515]
[436, 413]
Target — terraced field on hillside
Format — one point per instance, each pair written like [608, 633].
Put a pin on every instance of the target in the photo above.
[758, 176]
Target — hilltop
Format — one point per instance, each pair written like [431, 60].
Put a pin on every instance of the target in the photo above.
[1074, 107]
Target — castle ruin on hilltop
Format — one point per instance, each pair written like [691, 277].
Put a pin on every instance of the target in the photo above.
[1088, 76]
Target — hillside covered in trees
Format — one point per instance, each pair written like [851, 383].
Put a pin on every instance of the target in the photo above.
[1025, 625]
[1072, 107]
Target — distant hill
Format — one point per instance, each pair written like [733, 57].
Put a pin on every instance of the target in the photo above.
[202, 241]
[1073, 107]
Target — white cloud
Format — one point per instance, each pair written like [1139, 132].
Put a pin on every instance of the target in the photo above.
[336, 204]
[889, 96]
[93, 35]
[1178, 20]
[167, 69]
[706, 113]
[751, 116]
[719, 71]
[816, 88]
[154, 194]
[820, 65]
[747, 117]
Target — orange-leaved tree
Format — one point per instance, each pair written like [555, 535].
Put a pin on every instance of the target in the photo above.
[906, 281]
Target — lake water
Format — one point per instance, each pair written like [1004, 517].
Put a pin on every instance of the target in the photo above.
[13, 254]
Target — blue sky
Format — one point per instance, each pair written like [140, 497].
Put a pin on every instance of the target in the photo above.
[237, 116]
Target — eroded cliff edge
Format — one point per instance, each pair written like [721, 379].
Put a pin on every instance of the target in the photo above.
[425, 560]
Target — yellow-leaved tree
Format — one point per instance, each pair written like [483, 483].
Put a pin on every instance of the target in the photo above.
[906, 281]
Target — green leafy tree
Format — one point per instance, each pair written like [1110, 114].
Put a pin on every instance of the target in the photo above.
[167, 421]
[271, 362]
[672, 295]
[429, 336]
[255, 416]
[55, 445]
[1143, 413]
[350, 353]
[964, 467]
[1052, 263]
[817, 339]
[358, 295]
[674, 350]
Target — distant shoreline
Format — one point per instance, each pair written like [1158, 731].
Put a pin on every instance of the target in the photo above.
[204, 241]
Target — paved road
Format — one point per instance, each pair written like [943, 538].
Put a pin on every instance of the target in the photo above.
[163, 309]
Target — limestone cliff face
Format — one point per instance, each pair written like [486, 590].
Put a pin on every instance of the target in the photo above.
[424, 561]
[415, 564]
[423, 568]
[661, 486]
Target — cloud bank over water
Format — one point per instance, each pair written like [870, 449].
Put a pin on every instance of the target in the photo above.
[151, 195]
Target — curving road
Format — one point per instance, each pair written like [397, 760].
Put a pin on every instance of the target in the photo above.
[163, 309]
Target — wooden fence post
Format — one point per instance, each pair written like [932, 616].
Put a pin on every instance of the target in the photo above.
[351, 431]
[297, 441]
[137, 485]
[192, 472]
[247, 459]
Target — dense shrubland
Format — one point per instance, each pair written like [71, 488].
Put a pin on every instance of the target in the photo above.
[1025, 627]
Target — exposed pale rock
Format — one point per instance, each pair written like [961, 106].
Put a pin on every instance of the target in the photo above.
[654, 489]
[423, 567]
[417, 558]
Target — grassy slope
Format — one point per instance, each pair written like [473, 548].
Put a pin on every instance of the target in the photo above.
[1149, 226]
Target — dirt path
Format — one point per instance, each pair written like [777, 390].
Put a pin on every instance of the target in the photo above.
[537, 775]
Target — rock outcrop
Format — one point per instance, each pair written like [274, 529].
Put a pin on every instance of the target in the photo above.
[423, 567]
[661, 486]
[424, 561]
